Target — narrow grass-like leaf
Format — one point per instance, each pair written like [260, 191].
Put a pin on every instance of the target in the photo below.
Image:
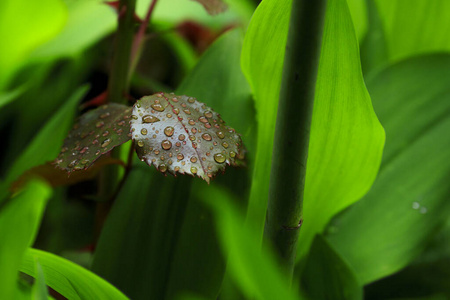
[346, 138]
[327, 276]
[39, 289]
[67, 278]
[95, 133]
[19, 222]
[253, 269]
[178, 134]
[409, 200]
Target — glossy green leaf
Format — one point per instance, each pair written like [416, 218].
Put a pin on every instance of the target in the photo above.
[253, 269]
[390, 226]
[39, 289]
[24, 25]
[327, 276]
[346, 138]
[358, 11]
[95, 133]
[19, 221]
[67, 278]
[415, 28]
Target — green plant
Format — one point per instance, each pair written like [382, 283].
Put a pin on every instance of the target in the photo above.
[322, 207]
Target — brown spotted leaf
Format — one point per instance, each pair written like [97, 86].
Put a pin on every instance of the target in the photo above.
[97, 132]
[180, 134]
[213, 7]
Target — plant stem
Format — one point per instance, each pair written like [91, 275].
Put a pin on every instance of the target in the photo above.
[118, 82]
[290, 151]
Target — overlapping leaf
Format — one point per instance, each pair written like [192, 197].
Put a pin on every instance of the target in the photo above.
[178, 134]
[97, 132]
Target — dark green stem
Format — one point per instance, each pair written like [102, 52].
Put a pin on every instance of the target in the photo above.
[118, 82]
[290, 151]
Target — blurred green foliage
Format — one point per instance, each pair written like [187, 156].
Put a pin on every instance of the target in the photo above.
[179, 238]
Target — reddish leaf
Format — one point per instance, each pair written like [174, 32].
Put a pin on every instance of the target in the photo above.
[58, 177]
[213, 7]
[180, 134]
[97, 132]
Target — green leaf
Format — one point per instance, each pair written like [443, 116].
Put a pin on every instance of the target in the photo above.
[390, 226]
[327, 276]
[19, 221]
[39, 289]
[178, 134]
[24, 25]
[346, 138]
[96, 132]
[67, 278]
[358, 11]
[413, 29]
[253, 269]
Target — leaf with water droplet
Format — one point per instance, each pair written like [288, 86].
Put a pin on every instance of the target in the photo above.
[95, 133]
[185, 136]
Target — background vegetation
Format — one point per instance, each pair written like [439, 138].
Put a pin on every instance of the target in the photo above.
[375, 202]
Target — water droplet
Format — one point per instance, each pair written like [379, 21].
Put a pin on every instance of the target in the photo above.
[176, 111]
[183, 163]
[162, 157]
[134, 117]
[180, 156]
[106, 143]
[415, 205]
[219, 157]
[207, 125]
[121, 123]
[191, 122]
[181, 137]
[206, 137]
[187, 111]
[194, 130]
[97, 152]
[157, 107]
[191, 100]
[232, 154]
[203, 119]
[169, 116]
[166, 145]
[99, 124]
[156, 151]
[105, 133]
[193, 159]
[193, 170]
[119, 131]
[177, 169]
[220, 134]
[194, 145]
[149, 119]
[168, 131]
[174, 99]
[84, 150]
[208, 114]
[84, 161]
[105, 115]
[144, 131]
[208, 153]
[192, 137]
[225, 144]
[138, 104]
[178, 144]
[183, 104]
[140, 143]
[162, 168]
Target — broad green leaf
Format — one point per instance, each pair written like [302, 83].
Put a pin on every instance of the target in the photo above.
[327, 276]
[19, 221]
[7, 97]
[178, 134]
[415, 28]
[67, 278]
[24, 25]
[346, 138]
[358, 11]
[95, 133]
[253, 269]
[390, 226]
